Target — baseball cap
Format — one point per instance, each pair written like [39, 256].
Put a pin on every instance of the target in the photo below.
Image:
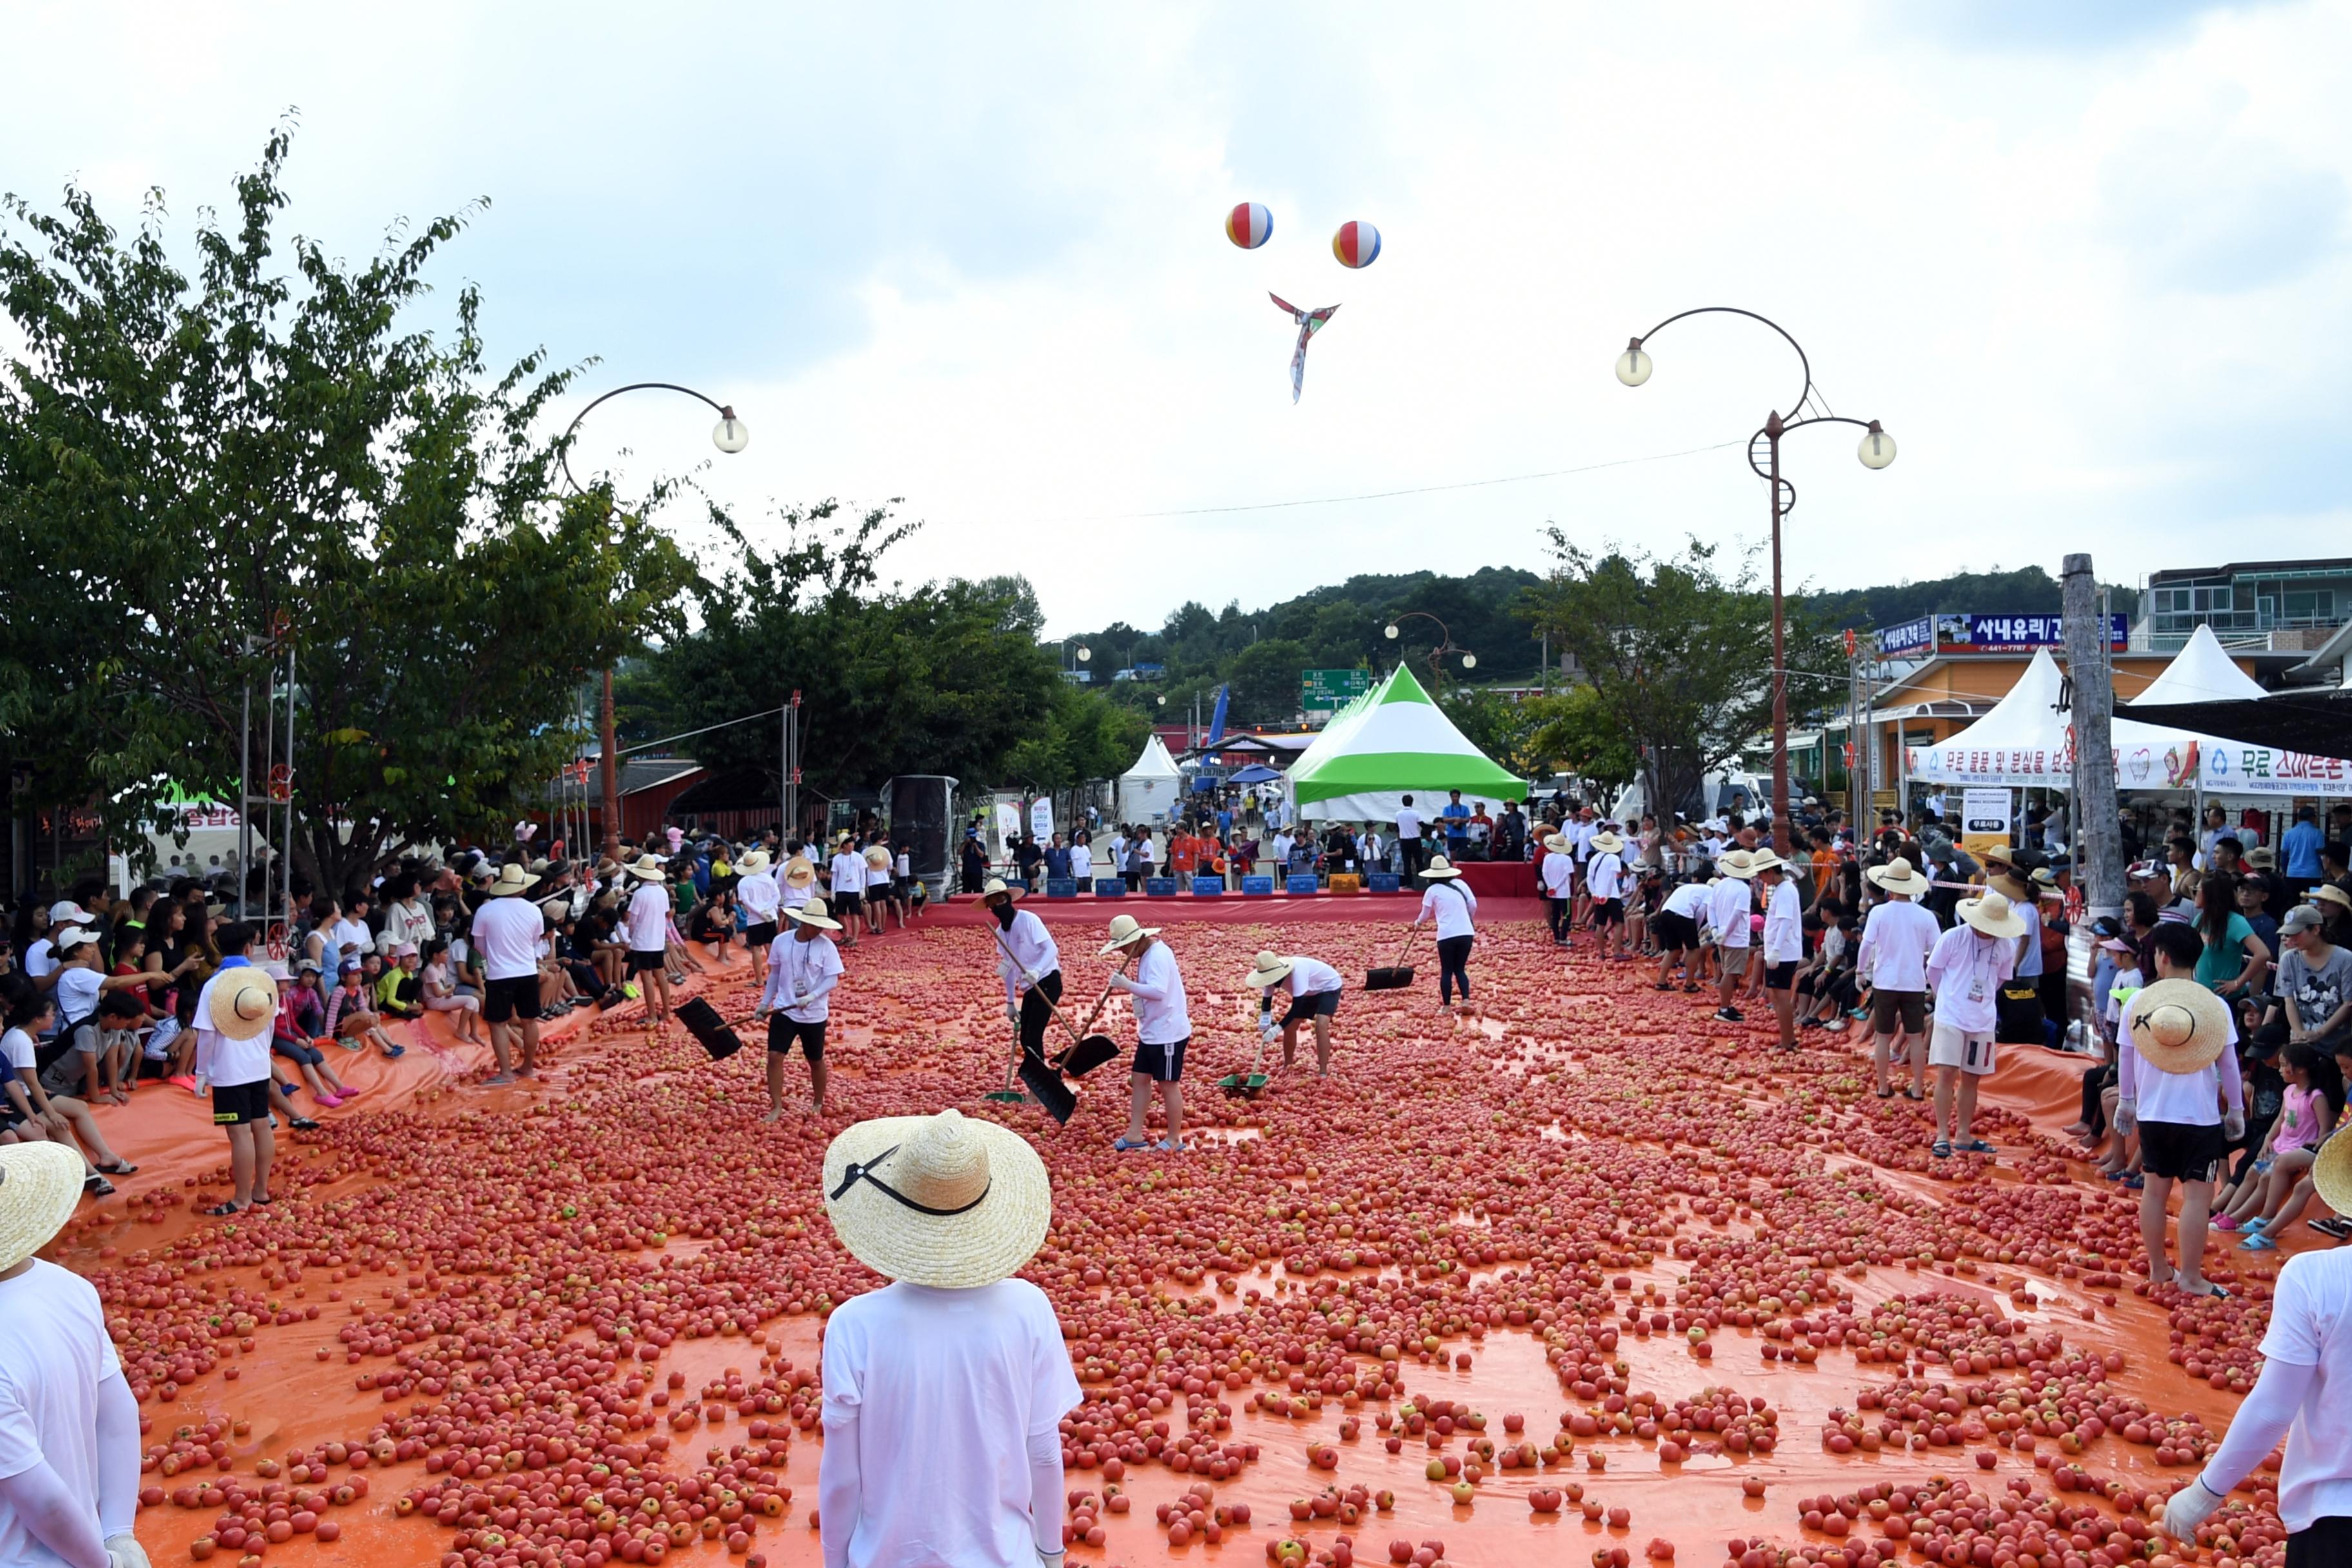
[65, 912]
[2302, 916]
[2140, 870]
[2106, 926]
[72, 936]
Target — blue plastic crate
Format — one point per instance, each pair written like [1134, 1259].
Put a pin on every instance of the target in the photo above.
[1159, 886]
[1300, 883]
[1208, 887]
[1381, 882]
[1109, 888]
[1257, 887]
[1061, 887]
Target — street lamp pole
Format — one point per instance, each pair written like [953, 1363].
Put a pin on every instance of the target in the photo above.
[1875, 451]
[1445, 646]
[730, 435]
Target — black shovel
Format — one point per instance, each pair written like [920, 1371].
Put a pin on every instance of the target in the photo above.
[1396, 976]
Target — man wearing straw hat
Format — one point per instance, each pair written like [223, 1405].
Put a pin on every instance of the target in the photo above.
[1784, 940]
[803, 967]
[1163, 1027]
[1452, 906]
[1028, 962]
[235, 1013]
[1966, 968]
[507, 930]
[69, 1427]
[2304, 1395]
[944, 1390]
[1315, 990]
[647, 921]
[1727, 916]
[845, 876]
[2019, 1008]
[1605, 882]
[1893, 962]
[760, 897]
[1556, 876]
[2177, 1086]
[797, 885]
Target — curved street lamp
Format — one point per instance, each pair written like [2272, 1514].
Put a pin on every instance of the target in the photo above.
[1875, 450]
[1445, 643]
[731, 436]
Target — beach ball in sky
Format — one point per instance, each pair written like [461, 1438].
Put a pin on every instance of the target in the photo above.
[1249, 225]
[1357, 244]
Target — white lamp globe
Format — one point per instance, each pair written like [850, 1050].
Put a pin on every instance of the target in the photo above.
[1633, 366]
[730, 434]
[1469, 661]
[1877, 448]
[1392, 632]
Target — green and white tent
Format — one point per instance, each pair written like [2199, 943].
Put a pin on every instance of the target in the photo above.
[1388, 744]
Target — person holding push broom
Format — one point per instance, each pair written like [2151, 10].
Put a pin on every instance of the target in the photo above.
[1028, 962]
[803, 967]
[1450, 905]
[1315, 987]
[1163, 1027]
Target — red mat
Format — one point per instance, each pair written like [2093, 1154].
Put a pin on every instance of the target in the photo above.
[1322, 908]
[1499, 878]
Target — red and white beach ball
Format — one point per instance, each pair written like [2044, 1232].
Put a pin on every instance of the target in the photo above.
[1249, 225]
[1356, 244]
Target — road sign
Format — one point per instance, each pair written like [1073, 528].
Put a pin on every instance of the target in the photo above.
[1329, 691]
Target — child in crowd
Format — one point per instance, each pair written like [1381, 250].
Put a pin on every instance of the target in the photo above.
[349, 1017]
[437, 979]
[2177, 1065]
[2309, 1110]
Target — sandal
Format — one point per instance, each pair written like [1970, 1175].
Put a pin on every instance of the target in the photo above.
[1975, 1146]
[1126, 1145]
[120, 1168]
[96, 1186]
[302, 1124]
[1915, 1095]
[1941, 1150]
[1886, 1094]
[2211, 1292]
[2258, 1241]
[223, 1211]
[263, 1202]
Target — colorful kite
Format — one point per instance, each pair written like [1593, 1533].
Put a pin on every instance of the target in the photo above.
[1309, 324]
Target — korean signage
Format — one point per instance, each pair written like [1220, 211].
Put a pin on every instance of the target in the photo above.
[1329, 691]
[1986, 634]
[2167, 763]
[1985, 816]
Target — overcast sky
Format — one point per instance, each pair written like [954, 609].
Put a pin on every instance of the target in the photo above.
[2087, 260]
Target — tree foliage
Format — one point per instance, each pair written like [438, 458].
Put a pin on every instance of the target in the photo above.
[201, 472]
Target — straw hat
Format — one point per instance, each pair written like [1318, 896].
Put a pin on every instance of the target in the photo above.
[2330, 893]
[39, 1186]
[1126, 930]
[933, 1200]
[1439, 870]
[1736, 863]
[646, 869]
[813, 913]
[1765, 860]
[2331, 1174]
[1268, 968]
[513, 879]
[1990, 914]
[1606, 843]
[2179, 1025]
[996, 886]
[1899, 876]
[878, 857]
[800, 871]
[1556, 844]
[1999, 855]
[754, 863]
[243, 1002]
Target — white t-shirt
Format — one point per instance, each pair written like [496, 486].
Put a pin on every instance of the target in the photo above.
[53, 1357]
[797, 968]
[17, 1046]
[2308, 1329]
[648, 918]
[1604, 877]
[1029, 949]
[1966, 967]
[759, 897]
[964, 1377]
[350, 934]
[221, 1061]
[848, 875]
[507, 932]
[1157, 990]
[1557, 872]
[1311, 977]
[40, 958]
[1408, 823]
[1690, 901]
[1450, 905]
[2189, 1099]
[1726, 912]
[1895, 942]
[1784, 924]
[76, 993]
[1082, 863]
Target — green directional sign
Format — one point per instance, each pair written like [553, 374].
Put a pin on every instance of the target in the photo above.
[1329, 691]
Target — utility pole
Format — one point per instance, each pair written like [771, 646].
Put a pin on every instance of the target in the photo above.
[612, 770]
[2100, 874]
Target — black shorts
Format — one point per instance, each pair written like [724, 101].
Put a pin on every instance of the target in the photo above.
[1164, 1064]
[783, 1032]
[2327, 1540]
[1675, 933]
[1608, 911]
[517, 996]
[643, 963]
[235, 1103]
[1781, 976]
[758, 937]
[1907, 1009]
[2180, 1151]
[1317, 1004]
[847, 904]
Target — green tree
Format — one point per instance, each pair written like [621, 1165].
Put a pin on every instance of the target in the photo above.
[1679, 655]
[198, 474]
[1576, 733]
[1265, 681]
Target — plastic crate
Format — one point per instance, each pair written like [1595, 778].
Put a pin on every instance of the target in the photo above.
[1381, 882]
[1208, 887]
[1301, 883]
[1346, 882]
[1159, 886]
[1109, 888]
[1257, 887]
[1061, 887]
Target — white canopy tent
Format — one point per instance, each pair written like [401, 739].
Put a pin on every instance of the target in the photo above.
[1149, 791]
[2200, 672]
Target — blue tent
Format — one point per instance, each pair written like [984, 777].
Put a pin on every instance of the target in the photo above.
[1256, 772]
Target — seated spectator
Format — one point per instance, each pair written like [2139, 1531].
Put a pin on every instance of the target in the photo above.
[301, 1010]
[398, 992]
[349, 1018]
[438, 977]
[30, 1114]
[122, 1021]
[170, 1045]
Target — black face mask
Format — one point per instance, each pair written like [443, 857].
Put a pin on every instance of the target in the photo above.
[1004, 914]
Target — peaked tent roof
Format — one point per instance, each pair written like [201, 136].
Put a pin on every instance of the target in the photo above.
[2200, 672]
[1155, 763]
[1394, 738]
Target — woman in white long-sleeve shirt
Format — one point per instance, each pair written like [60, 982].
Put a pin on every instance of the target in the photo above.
[1450, 905]
[803, 967]
[1163, 1027]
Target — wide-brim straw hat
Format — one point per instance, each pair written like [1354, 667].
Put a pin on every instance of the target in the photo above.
[511, 879]
[878, 857]
[1439, 870]
[813, 913]
[935, 1200]
[243, 1002]
[1556, 844]
[1899, 876]
[1126, 930]
[1606, 843]
[2180, 1027]
[1997, 855]
[646, 869]
[997, 886]
[800, 871]
[39, 1186]
[2331, 1174]
[1267, 968]
[1765, 860]
[1992, 914]
[2330, 893]
[1736, 863]
[754, 863]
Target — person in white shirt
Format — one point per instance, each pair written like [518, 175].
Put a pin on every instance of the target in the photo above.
[956, 1361]
[1966, 967]
[845, 875]
[1675, 925]
[1163, 1027]
[235, 1013]
[1374, 852]
[2301, 1397]
[1784, 942]
[350, 936]
[1605, 882]
[1315, 989]
[797, 885]
[803, 968]
[1446, 901]
[70, 1444]
[1028, 962]
[1409, 841]
[1082, 862]
[506, 932]
[1726, 915]
[646, 922]
[2179, 1091]
[760, 897]
[1892, 964]
[1556, 880]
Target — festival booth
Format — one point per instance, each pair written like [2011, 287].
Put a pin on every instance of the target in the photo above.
[1149, 791]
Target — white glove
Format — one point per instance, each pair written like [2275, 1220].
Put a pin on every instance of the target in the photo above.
[800, 999]
[2233, 1125]
[1011, 1012]
[1048, 1559]
[2190, 1507]
[1267, 1031]
[123, 1551]
[2126, 1116]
